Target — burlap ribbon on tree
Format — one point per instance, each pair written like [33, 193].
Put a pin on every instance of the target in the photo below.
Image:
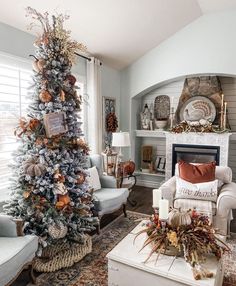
[62, 255]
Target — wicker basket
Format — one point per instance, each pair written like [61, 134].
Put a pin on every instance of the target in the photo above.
[62, 255]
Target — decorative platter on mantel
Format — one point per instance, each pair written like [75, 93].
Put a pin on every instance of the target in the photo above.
[198, 107]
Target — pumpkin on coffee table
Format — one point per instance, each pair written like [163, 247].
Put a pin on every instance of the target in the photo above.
[177, 217]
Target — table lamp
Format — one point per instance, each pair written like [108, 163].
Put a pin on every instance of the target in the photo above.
[120, 139]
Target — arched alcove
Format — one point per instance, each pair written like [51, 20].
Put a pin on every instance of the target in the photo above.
[173, 88]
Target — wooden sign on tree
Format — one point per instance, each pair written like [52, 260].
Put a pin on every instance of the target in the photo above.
[55, 123]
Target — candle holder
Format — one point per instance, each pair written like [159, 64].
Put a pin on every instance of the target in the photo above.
[221, 119]
[172, 117]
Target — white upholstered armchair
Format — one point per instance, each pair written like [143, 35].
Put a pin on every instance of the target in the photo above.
[108, 198]
[220, 212]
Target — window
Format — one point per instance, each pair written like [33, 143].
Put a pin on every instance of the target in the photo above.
[14, 83]
[83, 115]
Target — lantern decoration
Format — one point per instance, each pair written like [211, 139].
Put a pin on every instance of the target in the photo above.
[109, 162]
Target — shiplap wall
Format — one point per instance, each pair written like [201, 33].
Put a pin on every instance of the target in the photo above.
[174, 90]
[229, 88]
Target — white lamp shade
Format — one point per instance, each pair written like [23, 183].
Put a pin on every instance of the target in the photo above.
[120, 139]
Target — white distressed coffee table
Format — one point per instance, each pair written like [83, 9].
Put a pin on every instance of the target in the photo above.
[126, 266]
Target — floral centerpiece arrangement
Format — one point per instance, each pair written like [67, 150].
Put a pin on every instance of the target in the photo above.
[185, 233]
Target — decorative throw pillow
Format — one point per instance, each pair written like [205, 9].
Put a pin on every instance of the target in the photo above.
[7, 226]
[93, 178]
[202, 191]
[197, 173]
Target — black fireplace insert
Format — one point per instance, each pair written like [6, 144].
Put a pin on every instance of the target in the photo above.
[194, 154]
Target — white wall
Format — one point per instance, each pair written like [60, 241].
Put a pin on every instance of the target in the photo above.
[111, 85]
[206, 46]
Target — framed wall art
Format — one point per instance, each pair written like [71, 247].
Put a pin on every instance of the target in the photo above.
[55, 123]
[110, 122]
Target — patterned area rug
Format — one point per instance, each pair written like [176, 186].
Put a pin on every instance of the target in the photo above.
[92, 270]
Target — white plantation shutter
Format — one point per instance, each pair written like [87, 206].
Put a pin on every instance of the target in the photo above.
[14, 83]
[15, 79]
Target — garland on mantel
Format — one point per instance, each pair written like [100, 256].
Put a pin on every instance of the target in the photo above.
[202, 126]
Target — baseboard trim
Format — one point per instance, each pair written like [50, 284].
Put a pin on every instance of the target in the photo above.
[148, 184]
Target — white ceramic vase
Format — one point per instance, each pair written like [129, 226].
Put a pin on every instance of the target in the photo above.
[160, 124]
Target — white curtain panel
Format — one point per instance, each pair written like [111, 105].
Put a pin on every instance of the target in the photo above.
[94, 105]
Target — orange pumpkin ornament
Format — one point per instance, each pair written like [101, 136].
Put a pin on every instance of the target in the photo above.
[59, 205]
[38, 64]
[65, 199]
[45, 96]
[33, 123]
[26, 194]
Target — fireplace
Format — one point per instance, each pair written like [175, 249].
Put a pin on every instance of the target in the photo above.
[194, 154]
[202, 143]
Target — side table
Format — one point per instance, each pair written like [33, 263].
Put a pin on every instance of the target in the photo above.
[132, 182]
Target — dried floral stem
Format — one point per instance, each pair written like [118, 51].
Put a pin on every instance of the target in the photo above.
[197, 239]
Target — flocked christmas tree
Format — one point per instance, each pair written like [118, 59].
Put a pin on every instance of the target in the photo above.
[50, 192]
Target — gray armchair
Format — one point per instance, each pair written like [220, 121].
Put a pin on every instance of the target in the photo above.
[220, 212]
[109, 198]
[17, 251]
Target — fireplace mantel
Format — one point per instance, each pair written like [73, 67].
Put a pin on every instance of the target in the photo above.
[221, 140]
[162, 134]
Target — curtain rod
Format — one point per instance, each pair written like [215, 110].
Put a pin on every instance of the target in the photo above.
[84, 57]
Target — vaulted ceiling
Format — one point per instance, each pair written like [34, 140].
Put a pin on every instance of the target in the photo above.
[117, 31]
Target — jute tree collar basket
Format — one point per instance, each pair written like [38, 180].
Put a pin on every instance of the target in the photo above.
[62, 255]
